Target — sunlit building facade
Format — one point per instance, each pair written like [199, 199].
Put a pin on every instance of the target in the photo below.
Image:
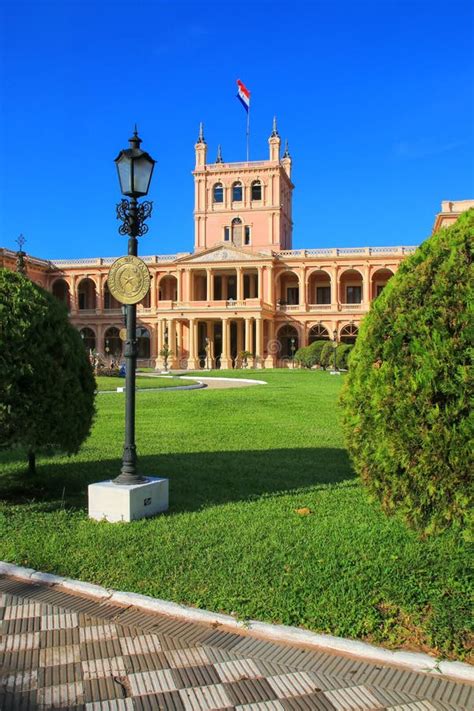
[243, 289]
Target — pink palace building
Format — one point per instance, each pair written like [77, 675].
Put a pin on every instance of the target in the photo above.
[243, 288]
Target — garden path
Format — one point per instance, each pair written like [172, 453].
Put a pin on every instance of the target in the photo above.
[64, 650]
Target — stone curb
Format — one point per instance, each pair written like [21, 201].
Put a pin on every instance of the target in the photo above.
[415, 661]
[200, 378]
[227, 380]
[197, 386]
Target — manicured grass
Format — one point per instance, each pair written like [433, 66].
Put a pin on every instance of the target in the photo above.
[112, 383]
[241, 464]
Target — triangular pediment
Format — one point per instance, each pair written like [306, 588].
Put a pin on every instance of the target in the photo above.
[222, 253]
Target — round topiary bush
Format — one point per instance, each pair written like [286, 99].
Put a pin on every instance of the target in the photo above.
[310, 355]
[342, 355]
[327, 355]
[407, 398]
[47, 386]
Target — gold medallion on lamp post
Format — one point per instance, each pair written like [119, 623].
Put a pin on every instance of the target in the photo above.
[129, 280]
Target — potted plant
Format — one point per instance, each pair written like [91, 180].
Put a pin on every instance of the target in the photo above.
[165, 353]
[243, 357]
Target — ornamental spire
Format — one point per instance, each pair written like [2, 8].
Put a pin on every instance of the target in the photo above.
[286, 154]
[201, 138]
[20, 256]
[274, 128]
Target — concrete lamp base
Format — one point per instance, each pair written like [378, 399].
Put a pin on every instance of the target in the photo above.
[127, 502]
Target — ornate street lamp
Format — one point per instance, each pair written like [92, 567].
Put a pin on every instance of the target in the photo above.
[334, 335]
[135, 168]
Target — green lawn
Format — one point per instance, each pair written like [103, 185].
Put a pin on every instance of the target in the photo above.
[241, 463]
[112, 383]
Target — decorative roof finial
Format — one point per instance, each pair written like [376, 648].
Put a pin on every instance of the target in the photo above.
[20, 256]
[275, 129]
[219, 158]
[135, 140]
[286, 154]
[201, 138]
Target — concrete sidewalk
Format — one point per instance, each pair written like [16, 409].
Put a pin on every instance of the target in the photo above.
[63, 650]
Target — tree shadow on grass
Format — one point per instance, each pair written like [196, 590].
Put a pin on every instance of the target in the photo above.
[197, 479]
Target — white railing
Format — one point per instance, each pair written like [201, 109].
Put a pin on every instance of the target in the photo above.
[289, 307]
[248, 164]
[104, 261]
[231, 303]
[320, 307]
[337, 252]
[351, 307]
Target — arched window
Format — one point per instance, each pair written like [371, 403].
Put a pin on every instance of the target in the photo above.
[143, 338]
[237, 192]
[61, 292]
[318, 333]
[349, 334]
[237, 231]
[88, 338]
[288, 341]
[256, 190]
[86, 294]
[112, 342]
[218, 193]
[110, 302]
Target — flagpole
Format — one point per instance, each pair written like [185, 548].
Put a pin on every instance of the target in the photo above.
[248, 134]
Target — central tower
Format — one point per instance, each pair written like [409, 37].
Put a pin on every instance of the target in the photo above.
[248, 205]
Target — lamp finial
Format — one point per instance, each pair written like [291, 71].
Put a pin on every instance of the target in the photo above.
[219, 158]
[135, 140]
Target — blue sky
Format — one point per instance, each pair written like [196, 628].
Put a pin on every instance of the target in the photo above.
[374, 97]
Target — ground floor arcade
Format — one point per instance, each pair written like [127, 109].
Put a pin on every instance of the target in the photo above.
[218, 342]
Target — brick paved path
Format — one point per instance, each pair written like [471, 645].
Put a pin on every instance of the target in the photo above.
[60, 650]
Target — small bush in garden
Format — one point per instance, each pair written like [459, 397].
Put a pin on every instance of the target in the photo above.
[308, 356]
[301, 356]
[342, 355]
[47, 384]
[327, 354]
[407, 399]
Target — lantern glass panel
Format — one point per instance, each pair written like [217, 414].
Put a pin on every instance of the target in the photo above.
[124, 168]
[142, 170]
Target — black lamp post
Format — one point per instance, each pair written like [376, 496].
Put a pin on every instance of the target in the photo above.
[334, 335]
[135, 168]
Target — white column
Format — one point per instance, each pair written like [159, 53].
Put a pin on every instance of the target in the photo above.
[270, 358]
[240, 283]
[193, 362]
[226, 360]
[258, 342]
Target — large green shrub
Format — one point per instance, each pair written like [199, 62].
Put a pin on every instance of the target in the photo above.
[327, 354]
[408, 394]
[46, 384]
[310, 355]
[342, 355]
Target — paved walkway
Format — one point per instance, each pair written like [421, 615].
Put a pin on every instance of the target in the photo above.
[213, 383]
[62, 650]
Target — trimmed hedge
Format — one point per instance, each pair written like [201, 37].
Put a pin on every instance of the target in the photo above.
[407, 398]
[310, 355]
[327, 354]
[342, 355]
